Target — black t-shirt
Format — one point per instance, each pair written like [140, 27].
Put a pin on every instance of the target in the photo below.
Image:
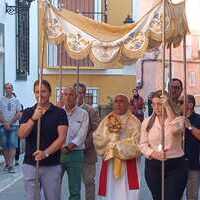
[50, 121]
[192, 145]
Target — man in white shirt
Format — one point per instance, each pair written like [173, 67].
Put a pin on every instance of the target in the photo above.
[9, 122]
[72, 156]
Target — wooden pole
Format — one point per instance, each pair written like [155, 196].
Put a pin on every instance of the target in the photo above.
[163, 89]
[41, 65]
[78, 78]
[184, 84]
[60, 75]
[170, 63]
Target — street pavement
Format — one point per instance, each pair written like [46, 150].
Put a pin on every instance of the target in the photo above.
[12, 188]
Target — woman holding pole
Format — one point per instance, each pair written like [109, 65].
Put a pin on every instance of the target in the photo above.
[173, 155]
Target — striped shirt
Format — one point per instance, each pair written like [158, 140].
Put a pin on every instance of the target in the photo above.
[8, 108]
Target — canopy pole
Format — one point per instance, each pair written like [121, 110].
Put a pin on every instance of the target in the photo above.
[184, 85]
[163, 89]
[170, 62]
[78, 78]
[60, 65]
[41, 66]
[60, 75]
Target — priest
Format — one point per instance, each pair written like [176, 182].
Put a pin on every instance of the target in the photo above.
[116, 141]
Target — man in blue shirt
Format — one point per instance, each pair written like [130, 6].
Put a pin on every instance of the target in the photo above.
[192, 148]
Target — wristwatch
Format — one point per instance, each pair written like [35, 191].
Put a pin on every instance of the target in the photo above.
[190, 128]
[46, 154]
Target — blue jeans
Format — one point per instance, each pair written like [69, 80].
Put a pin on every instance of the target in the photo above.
[9, 138]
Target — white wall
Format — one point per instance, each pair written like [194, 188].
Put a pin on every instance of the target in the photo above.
[23, 89]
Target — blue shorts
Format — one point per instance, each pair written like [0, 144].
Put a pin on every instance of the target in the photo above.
[9, 139]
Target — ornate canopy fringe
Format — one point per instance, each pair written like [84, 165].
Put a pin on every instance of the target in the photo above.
[108, 45]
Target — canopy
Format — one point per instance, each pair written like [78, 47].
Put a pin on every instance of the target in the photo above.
[108, 45]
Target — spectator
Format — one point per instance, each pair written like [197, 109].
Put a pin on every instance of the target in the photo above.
[151, 146]
[90, 157]
[9, 121]
[175, 90]
[137, 105]
[53, 132]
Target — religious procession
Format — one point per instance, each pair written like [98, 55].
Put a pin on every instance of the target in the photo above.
[103, 102]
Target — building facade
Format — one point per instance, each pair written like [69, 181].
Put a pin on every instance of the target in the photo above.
[150, 66]
[19, 50]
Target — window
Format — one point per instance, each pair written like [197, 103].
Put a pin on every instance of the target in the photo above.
[192, 79]
[95, 9]
[92, 96]
[22, 41]
[52, 52]
[98, 10]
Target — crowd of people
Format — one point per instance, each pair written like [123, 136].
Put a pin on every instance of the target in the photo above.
[72, 135]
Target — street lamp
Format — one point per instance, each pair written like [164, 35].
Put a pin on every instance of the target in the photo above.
[21, 10]
[21, 5]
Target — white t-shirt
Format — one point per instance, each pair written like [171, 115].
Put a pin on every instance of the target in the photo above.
[9, 107]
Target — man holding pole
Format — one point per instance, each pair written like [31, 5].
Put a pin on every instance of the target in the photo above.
[53, 131]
